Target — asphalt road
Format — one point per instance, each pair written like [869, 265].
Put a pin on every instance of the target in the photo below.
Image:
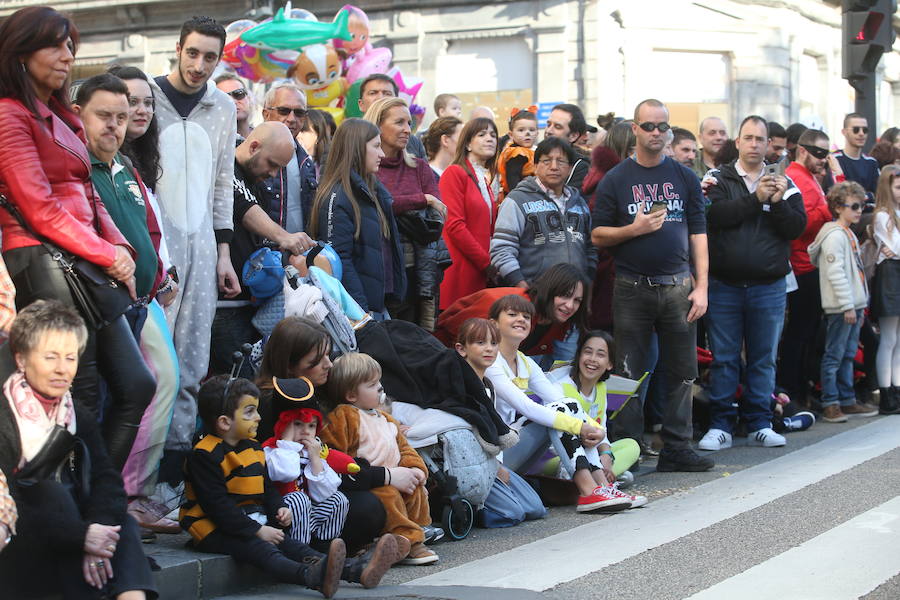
[819, 518]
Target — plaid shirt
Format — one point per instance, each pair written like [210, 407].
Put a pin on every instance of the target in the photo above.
[8, 512]
[7, 307]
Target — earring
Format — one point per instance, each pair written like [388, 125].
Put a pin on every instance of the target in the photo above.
[24, 70]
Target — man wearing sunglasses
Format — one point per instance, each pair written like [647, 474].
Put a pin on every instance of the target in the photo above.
[288, 195]
[804, 303]
[857, 166]
[650, 212]
[232, 85]
[751, 219]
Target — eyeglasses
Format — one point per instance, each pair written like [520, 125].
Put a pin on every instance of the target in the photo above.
[238, 94]
[648, 126]
[855, 206]
[816, 151]
[858, 129]
[546, 162]
[147, 103]
[284, 111]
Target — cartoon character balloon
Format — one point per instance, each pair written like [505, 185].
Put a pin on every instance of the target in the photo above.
[358, 25]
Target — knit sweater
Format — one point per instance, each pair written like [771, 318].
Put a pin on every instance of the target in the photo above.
[406, 184]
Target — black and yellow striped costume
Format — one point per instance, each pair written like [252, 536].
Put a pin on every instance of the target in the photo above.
[223, 484]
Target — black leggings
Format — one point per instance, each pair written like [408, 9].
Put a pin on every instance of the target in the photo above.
[111, 352]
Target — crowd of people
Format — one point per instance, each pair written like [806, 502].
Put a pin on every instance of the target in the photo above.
[751, 285]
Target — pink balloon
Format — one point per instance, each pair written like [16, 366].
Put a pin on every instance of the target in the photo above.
[376, 60]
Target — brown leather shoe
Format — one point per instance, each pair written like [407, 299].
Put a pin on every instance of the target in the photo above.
[859, 410]
[832, 414]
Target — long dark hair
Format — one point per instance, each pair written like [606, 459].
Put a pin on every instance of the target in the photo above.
[291, 339]
[610, 349]
[143, 151]
[469, 131]
[560, 280]
[347, 155]
[22, 33]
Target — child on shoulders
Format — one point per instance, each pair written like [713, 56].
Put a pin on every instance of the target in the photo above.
[309, 486]
[516, 160]
[356, 426]
[231, 506]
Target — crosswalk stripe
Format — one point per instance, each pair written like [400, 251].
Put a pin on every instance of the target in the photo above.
[833, 573]
[560, 558]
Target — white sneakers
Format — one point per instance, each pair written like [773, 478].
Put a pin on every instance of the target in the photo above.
[767, 438]
[715, 439]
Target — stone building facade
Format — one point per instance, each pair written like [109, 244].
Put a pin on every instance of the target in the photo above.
[777, 58]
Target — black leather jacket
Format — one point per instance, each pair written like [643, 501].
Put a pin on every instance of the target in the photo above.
[749, 241]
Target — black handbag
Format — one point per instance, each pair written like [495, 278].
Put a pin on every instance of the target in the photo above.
[64, 459]
[421, 226]
[99, 298]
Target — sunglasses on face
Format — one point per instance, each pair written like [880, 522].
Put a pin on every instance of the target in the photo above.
[284, 111]
[816, 151]
[238, 94]
[858, 129]
[854, 207]
[648, 126]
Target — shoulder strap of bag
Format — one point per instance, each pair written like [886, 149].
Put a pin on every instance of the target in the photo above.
[54, 251]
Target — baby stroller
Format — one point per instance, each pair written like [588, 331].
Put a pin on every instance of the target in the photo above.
[460, 471]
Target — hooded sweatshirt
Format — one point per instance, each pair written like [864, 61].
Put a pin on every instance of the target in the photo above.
[533, 234]
[835, 252]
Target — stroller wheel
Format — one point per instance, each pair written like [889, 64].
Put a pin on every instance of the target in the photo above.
[458, 518]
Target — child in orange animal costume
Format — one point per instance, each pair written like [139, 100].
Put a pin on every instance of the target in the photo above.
[356, 426]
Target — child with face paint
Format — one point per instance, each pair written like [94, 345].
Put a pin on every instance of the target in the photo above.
[233, 508]
[309, 486]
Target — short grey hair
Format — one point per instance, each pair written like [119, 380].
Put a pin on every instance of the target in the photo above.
[286, 85]
[41, 317]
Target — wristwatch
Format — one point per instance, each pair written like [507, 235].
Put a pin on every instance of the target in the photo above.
[611, 455]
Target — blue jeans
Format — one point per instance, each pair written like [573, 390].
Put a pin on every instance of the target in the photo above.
[751, 316]
[534, 440]
[841, 343]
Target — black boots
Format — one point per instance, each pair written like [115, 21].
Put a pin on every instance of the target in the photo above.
[368, 568]
[889, 403]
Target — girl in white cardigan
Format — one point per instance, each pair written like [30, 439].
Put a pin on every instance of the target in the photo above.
[886, 290]
[845, 295]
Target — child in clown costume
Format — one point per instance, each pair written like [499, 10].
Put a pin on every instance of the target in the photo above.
[296, 466]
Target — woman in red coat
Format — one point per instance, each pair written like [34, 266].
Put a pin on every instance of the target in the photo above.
[471, 210]
[45, 172]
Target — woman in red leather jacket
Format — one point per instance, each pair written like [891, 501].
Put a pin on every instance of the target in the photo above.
[45, 172]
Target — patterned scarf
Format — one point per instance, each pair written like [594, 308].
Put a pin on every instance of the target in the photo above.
[33, 421]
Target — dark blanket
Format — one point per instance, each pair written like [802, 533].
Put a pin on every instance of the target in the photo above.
[418, 369]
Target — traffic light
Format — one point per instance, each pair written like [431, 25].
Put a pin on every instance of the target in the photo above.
[868, 33]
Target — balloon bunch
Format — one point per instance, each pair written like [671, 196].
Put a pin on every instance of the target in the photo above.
[327, 60]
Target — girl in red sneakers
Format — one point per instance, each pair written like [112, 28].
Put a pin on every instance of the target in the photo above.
[593, 466]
